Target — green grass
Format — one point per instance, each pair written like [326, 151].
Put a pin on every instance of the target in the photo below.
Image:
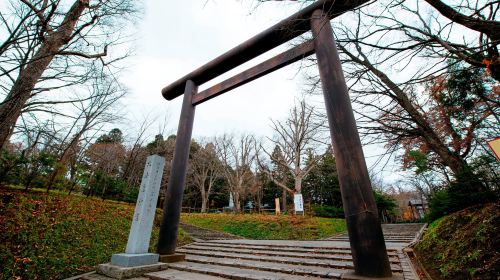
[255, 226]
[58, 236]
[463, 245]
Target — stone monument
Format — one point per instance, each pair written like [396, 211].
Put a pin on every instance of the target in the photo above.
[136, 259]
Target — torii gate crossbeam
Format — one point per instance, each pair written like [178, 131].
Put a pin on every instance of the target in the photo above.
[365, 232]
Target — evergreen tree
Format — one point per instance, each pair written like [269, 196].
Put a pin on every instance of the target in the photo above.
[322, 186]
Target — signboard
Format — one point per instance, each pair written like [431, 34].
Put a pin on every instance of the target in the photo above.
[495, 146]
[298, 202]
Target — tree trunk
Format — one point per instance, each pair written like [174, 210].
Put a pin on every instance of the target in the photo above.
[55, 174]
[11, 107]
[71, 147]
[259, 201]
[104, 191]
[298, 184]
[489, 27]
[73, 184]
[236, 198]
[204, 201]
[461, 169]
[284, 201]
[88, 185]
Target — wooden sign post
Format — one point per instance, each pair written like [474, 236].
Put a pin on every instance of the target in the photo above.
[277, 206]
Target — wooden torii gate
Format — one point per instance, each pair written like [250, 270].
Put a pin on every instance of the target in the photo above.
[365, 232]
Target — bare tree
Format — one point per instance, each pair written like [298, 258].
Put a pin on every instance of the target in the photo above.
[40, 139]
[466, 30]
[205, 168]
[237, 155]
[296, 137]
[93, 111]
[103, 159]
[403, 110]
[50, 45]
[76, 161]
[136, 154]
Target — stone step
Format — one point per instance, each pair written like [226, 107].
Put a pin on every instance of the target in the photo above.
[311, 244]
[385, 236]
[345, 265]
[280, 248]
[295, 269]
[262, 258]
[386, 240]
[96, 276]
[237, 247]
[193, 249]
[232, 272]
[400, 237]
[206, 234]
[173, 274]
[403, 233]
[270, 252]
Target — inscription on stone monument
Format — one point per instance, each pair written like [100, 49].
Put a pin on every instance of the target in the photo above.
[142, 224]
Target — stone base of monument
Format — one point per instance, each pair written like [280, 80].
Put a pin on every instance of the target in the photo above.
[121, 272]
[351, 276]
[129, 260]
[172, 258]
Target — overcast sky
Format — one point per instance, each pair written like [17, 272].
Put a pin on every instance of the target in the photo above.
[176, 37]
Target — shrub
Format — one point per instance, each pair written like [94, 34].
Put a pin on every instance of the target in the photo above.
[386, 205]
[327, 211]
[457, 197]
[439, 205]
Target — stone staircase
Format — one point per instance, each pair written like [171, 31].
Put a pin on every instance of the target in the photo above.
[222, 258]
[393, 233]
[259, 260]
[199, 234]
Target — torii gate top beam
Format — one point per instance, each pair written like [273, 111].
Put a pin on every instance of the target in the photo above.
[285, 30]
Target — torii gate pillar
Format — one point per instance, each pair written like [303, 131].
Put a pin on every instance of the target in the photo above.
[175, 188]
[363, 225]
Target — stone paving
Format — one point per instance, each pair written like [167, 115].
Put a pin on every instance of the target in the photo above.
[283, 259]
[199, 234]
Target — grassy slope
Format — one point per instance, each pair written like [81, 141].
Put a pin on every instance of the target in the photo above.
[57, 236]
[268, 226]
[463, 245]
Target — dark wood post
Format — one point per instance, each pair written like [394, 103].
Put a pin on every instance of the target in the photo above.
[365, 232]
[175, 189]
